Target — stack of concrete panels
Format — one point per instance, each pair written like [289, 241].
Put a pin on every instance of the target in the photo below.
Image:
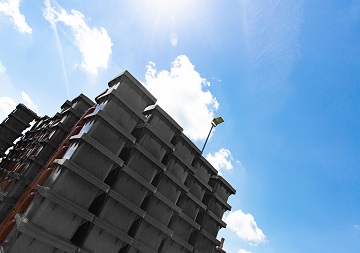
[125, 180]
[13, 126]
[25, 160]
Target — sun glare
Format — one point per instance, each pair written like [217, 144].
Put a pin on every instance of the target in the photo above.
[165, 11]
[169, 5]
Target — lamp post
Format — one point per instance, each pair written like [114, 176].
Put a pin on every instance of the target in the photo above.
[214, 123]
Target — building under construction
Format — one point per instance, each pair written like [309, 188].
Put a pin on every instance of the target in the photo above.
[115, 176]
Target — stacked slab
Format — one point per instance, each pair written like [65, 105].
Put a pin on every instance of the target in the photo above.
[13, 126]
[124, 180]
[27, 157]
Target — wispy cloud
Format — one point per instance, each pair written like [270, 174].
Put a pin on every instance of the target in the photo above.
[271, 30]
[243, 251]
[182, 93]
[28, 102]
[10, 8]
[50, 16]
[93, 43]
[355, 10]
[2, 68]
[221, 160]
[245, 227]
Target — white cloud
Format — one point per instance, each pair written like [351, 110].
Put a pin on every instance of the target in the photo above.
[243, 251]
[221, 160]
[2, 68]
[94, 43]
[182, 93]
[7, 105]
[245, 227]
[28, 102]
[11, 9]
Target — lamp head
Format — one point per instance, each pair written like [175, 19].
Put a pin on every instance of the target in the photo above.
[217, 121]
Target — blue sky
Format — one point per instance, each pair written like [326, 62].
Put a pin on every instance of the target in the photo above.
[285, 76]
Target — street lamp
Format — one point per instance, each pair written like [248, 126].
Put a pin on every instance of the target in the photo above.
[214, 123]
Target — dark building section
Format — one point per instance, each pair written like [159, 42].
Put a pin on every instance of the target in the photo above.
[13, 126]
[120, 177]
[27, 157]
